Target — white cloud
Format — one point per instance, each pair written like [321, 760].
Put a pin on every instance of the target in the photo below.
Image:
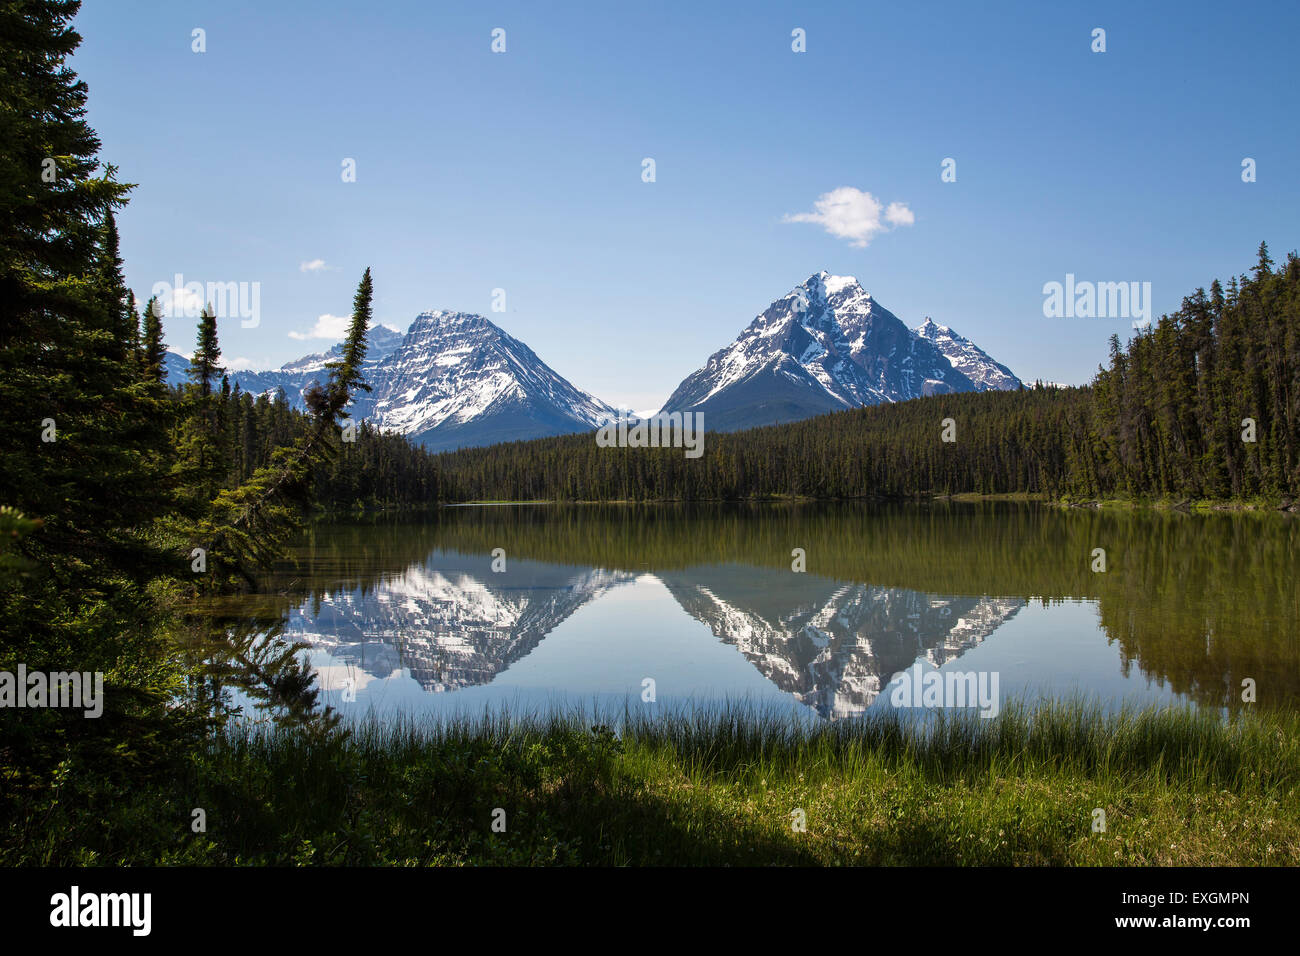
[242, 364]
[314, 265]
[332, 327]
[852, 214]
[899, 215]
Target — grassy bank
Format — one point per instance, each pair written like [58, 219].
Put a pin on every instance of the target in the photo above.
[717, 788]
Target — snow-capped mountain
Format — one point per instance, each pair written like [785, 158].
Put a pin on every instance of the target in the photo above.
[968, 358]
[455, 380]
[453, 623]
[825, 346]
[458, 380]
[833, 645]
[448, 619]
[452, 380]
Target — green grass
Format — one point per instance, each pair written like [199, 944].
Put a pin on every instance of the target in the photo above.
[715, 787]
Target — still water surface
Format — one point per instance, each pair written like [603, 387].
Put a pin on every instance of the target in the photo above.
[410, 618]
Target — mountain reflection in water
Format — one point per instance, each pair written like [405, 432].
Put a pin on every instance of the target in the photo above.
[1189, 605]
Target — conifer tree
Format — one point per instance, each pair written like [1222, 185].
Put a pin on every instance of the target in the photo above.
[153, 349]
[79, 438]
[207, 353]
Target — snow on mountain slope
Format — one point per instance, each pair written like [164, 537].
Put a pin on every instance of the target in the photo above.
[833, 645]
[450, 623]
[457, 379]
[825, 346]
[968, 358]
[452, 380]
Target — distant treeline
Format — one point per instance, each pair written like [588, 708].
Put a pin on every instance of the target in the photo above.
[372, 470]
[1006, 442]
[1173, 414]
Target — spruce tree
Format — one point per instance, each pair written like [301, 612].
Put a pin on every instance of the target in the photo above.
[79, 433]
[153, 352]
[201, 467]
[207, 353]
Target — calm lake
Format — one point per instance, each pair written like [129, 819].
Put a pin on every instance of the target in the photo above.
[594, 602]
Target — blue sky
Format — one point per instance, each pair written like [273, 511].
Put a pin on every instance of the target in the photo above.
[522, 170]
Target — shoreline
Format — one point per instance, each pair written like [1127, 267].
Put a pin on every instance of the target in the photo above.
[1184, 505]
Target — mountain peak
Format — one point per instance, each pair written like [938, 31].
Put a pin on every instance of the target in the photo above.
[828, 345]
[832, 284]
[443, 317]
[459, 379]
[453, 379]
